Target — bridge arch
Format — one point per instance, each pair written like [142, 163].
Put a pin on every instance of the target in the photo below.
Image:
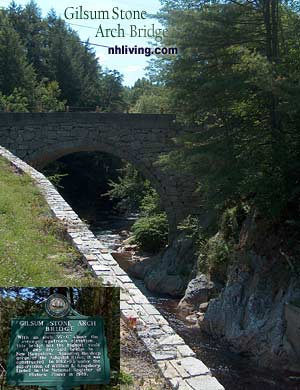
[43, 156]
[39, 138]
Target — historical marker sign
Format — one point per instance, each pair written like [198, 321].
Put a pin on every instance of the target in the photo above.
[63, 352]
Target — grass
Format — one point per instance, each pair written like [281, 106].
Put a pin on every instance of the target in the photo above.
[33, 250]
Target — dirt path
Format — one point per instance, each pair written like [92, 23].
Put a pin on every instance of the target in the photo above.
[136, 361]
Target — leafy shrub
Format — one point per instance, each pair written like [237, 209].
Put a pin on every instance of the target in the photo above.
[217, 250]
[231, 222]
[133, 192]
[151, 232]
[56, 179]
[214, 256]
[150, 204]
[129, 189]
[15, 102]
[191, 226]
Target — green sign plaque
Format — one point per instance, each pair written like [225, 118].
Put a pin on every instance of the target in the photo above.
[62, 352]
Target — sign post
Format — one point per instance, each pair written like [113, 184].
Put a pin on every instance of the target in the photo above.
[62, 350]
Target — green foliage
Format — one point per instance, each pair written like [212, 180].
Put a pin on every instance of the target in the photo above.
[44, 64]
[151, 229]
[111, 91]
[146, 97]
[152, 101]
[236, 78]
[215, 254]
[134, 193]
[125, 378]
[217, 250]
[150, 203]
[56, 179]
[151, 232]
[10, 308]
[15, 102]
[191, 226]
[47, 97]
[129, 189]
[147, 104]
[141, 87]
[231, 222]
[15, 71]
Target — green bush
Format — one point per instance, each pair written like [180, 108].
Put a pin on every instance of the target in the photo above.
[218, 256]
[217, 250]
[231, 222]
[229, 225]
[215, 254]
[191, 226]
[151, 232]
[129, 189]
[134, 193]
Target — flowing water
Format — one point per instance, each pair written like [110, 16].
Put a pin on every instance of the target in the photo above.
[234, 371]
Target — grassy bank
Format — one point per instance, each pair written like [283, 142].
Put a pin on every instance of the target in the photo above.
[33, 250]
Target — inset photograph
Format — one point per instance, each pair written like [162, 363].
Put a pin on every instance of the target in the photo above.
[59, 338]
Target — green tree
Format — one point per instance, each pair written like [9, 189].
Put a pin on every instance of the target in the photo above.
[63, 66]
[16, 101]
[34, 49]
[140, 87]
[15, 72]
[129, 189]
[235, 80]
[31, 27]
[111, 91]
[135, 194]
[47, 97]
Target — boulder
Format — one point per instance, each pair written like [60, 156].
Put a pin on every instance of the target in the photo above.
[198, 291]
[123, 258]
[203, 307]
[170, 271]
[250, 313]
[141, 268]
[168, 284]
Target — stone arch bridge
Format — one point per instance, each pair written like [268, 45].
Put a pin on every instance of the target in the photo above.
[40, 138]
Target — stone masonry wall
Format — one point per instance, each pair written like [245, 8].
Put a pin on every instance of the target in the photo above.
[40, 138]
[174, 358]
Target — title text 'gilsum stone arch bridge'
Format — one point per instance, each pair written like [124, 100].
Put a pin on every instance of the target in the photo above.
[40, 138]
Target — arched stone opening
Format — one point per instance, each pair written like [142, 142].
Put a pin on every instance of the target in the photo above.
[41, 158]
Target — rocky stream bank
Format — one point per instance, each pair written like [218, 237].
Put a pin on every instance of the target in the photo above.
[256, 311]
[240, 330]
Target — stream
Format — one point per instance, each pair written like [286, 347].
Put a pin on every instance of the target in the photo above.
[234, 371]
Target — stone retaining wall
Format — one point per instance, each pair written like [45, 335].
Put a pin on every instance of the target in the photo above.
[174, 358]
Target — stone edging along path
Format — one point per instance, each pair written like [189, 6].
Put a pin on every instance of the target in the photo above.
[174, 358]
